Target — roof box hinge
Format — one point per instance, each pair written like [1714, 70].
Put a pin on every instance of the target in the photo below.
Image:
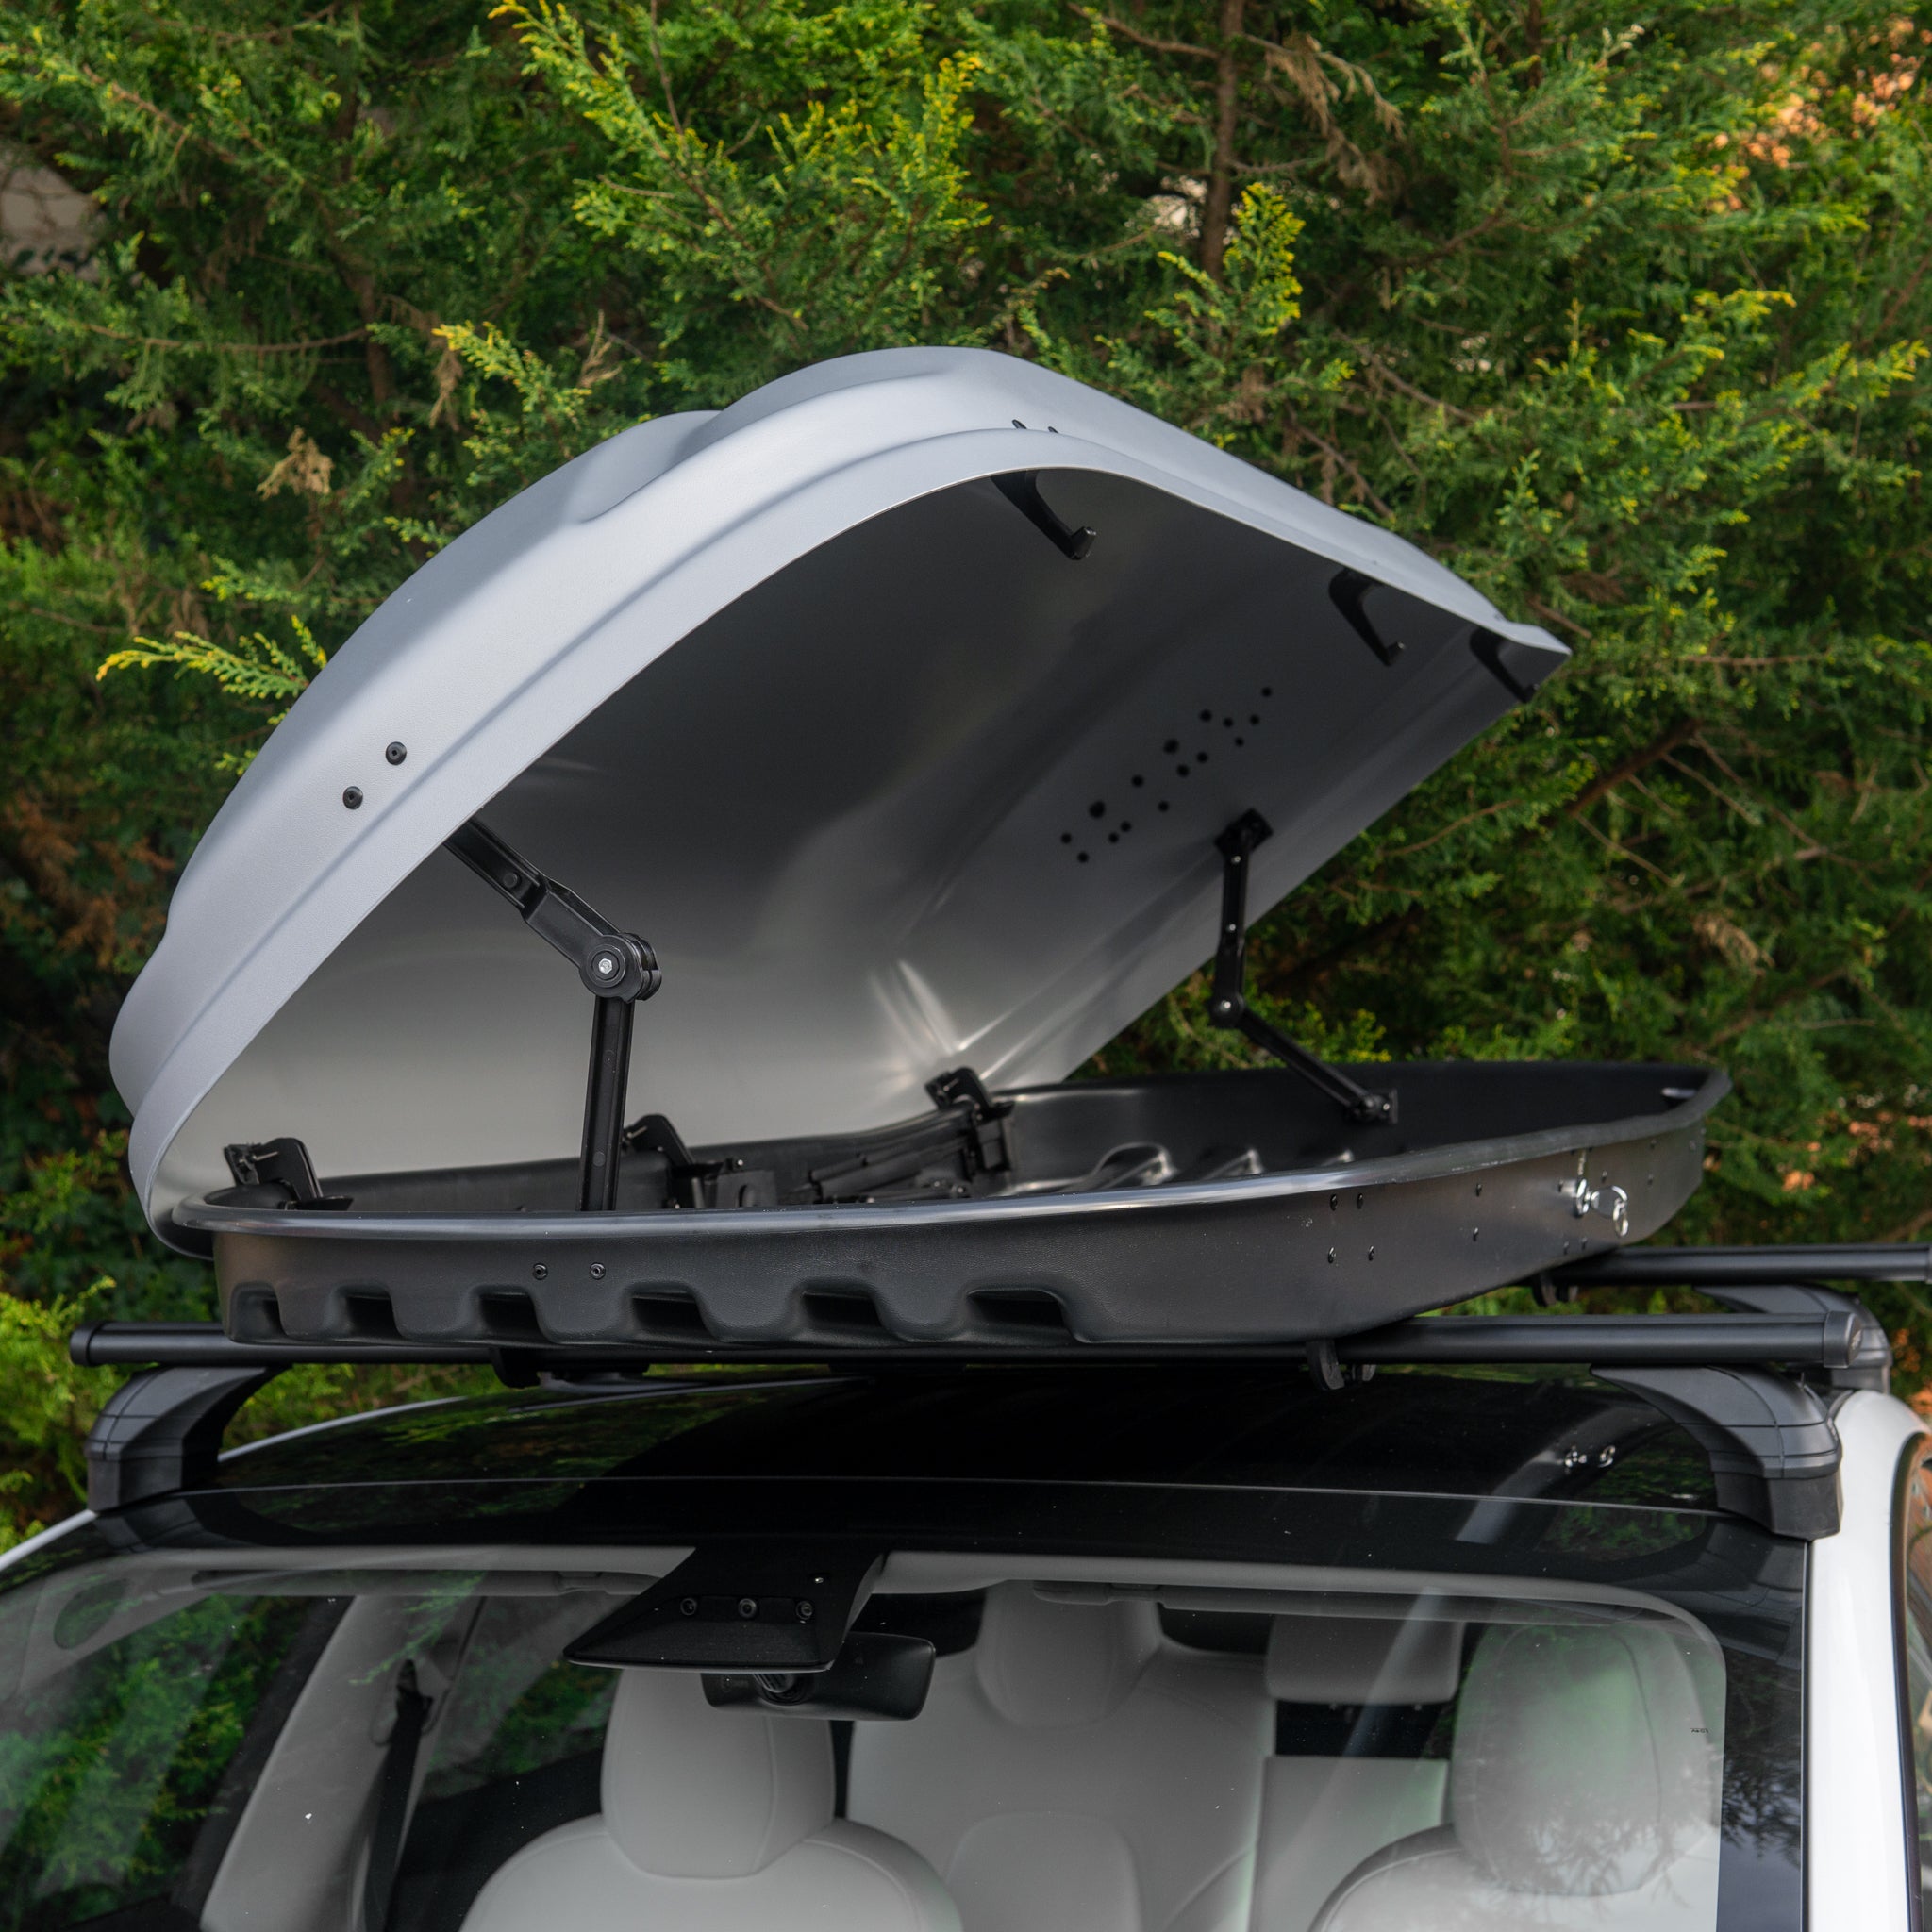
[1227, 1003]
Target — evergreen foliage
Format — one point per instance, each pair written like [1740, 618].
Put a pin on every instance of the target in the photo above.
[1619, 313]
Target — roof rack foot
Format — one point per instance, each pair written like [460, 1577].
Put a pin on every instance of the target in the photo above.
[1772, 1445]
[162, 1432]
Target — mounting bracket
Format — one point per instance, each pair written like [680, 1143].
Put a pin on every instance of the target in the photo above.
[618, 967]
[1227, 1003]
[737, 1606]
[162, 1431]
[1774, 1452]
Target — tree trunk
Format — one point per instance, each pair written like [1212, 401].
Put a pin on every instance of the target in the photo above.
[1220, 204]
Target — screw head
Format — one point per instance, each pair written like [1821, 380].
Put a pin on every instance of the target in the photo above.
[604, 965]
[540, 1273]
[747, 1606]
[689, 1605]
[596, 1271]
[806, 1613]
[352, 798]
[396, 751]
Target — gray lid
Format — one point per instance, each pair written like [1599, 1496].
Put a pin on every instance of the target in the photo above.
[914, 789]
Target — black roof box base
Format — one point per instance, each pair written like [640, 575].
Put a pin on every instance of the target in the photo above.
[1484, 1179]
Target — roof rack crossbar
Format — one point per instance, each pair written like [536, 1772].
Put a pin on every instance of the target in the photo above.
[1818, 1340]
[1793, 1263]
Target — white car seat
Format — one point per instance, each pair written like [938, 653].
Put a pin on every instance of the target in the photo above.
[1322, 1816]
[714, 1821]
[1584, 1790]
[1077, 1772]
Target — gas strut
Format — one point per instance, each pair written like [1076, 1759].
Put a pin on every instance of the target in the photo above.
[1227, 1004]
[618, 967]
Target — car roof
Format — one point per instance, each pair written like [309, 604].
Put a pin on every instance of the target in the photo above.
[1211, 1426]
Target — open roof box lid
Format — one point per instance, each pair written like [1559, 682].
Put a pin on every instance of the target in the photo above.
[927, 711]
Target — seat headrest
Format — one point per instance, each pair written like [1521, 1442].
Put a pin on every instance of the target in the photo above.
[1052, 1666]
[1364, 1660]
[693, 1792]
[1582, 1765]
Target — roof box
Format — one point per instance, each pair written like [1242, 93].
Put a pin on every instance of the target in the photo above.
[930, 715]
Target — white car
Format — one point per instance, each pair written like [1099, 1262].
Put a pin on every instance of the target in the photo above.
[1193, 1646]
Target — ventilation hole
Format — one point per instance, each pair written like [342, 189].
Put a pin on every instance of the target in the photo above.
[1254, 717]
[1097, 810]
[1083, 858]
[1266, 691]
[1207, 717]
[368, 1315]
[507, 1314]
[1228, 724]
[1066, 838]
[1126, 824]
[1113, 837]
[255, 1315]
[668, 1314]
[1138, 779]
[1200, 758]
[1172, 745]
[1162, 805]
[1030, 1312]
[1238, 743]
[1180, 770]
[850, 1313]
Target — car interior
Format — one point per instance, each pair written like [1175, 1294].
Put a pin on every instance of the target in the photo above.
[225, 1748]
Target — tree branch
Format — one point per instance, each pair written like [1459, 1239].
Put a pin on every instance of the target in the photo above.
[1606, 782]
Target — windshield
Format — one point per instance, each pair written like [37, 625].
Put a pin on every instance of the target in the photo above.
[324, 1739]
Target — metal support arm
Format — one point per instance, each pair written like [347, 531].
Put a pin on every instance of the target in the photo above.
[1227, 1004]
[611, 964]
[619, 968]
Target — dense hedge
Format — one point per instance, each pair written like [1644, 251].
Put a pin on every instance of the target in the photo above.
[1619, 313]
